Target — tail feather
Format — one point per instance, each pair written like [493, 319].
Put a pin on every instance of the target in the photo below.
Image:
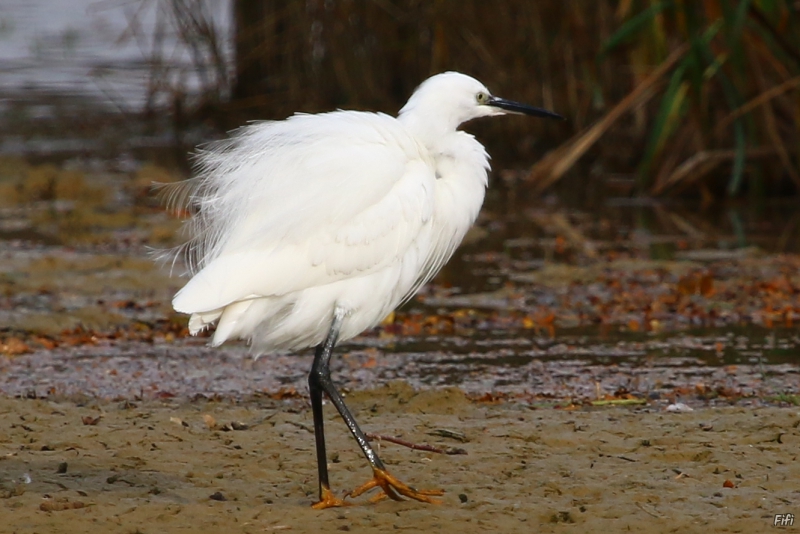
[229, 325]
[200, 321]
[247, 319]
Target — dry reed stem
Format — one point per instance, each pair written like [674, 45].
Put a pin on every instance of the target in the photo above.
[553, 166]
[704, 162]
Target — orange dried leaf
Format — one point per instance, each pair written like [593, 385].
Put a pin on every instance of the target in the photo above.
[546, 319]
[489, 398]
[687, 285]
[91, 421]
[285, 393]
[60, 506]
[561, 244]
[45, 342]
[706, 285]
[14, 346]
[209, 420]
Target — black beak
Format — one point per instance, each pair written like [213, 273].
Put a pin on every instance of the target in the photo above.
[516, 107]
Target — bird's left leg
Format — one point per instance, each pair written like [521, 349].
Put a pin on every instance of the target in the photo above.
[319, 380]
[320, 372]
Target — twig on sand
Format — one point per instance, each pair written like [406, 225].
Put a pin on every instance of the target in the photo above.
[416, 446]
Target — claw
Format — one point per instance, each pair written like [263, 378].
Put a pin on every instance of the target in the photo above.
[394, 489]
[328, 500]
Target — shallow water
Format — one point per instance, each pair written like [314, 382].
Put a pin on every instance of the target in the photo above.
[104, 50]
[571, 296]
[519, 311]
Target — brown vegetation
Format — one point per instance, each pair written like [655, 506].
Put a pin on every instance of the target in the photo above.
[669, 95]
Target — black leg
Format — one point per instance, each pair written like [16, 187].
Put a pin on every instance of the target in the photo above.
[319, 424]
[319, 381]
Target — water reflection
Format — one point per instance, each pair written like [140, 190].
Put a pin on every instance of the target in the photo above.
[100, 49]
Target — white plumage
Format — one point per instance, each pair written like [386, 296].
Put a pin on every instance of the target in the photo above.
[345, 213]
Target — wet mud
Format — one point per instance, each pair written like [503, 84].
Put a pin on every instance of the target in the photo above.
[84, 465]
[557, 343]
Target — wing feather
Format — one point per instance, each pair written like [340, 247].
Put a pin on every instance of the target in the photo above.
[329, 196]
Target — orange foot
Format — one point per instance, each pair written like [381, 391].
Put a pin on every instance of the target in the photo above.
[328, 500]
[394, 488]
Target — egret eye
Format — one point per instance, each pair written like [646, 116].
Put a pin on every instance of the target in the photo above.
[482, 98]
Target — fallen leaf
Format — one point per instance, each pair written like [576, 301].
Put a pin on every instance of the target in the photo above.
[60, 506]
[14, 346]
[45, 342]
[285, 393]
[706, 285]
[89, 420]
[209, 420]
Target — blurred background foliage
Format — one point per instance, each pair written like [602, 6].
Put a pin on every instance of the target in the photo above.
[679, 97]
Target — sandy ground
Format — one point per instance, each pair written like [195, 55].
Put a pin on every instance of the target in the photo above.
[147, 467]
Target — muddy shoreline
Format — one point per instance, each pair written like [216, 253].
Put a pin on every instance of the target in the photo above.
[554, 341]
[176, 465]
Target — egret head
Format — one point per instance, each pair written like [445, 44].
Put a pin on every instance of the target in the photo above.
[452, 98]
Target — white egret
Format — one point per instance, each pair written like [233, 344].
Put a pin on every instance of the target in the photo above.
[310, 230]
